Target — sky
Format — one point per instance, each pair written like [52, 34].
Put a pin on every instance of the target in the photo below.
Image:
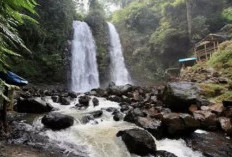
[84, 7]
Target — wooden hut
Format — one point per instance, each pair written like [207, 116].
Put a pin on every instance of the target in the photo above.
[206, 47]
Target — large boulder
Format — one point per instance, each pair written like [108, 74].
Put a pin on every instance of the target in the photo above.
[33, 105]
[55, 99]
[180, 95]
[138, 141]
[177, 124]
[117, 116]
[119, 90]
[208, 120]
[64, 101]
[57, 121]
[95, 102]
[96, 114]
[226, 125]
[210, 144]
[84, 100]
[151, 125]
[173, 124]
[133, 115]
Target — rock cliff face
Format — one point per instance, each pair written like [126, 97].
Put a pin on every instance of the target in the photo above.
[99, 27]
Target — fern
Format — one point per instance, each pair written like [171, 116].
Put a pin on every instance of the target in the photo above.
[11, 17]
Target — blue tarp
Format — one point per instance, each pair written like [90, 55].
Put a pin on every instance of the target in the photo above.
[13, 79]
[187, 59]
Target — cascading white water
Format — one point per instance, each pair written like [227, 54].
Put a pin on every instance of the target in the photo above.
[119, 72]
[84, 72]
[98, 137]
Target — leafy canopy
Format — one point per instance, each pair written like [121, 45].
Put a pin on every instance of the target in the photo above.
[11, 16]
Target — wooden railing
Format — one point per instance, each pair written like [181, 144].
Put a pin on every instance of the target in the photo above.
[205, 52]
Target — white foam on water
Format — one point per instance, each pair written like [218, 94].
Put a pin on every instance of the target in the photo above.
[177, 147]
[201, 131]
[99, 139]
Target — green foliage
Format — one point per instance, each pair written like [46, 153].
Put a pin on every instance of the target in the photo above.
[200, 28]
[137, 16]
[11, 16]
[47, 41]
[98, 24]
[212, 90]
[222, 58]
[227, 14]
[158, 29]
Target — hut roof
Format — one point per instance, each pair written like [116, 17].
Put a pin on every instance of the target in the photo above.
[210, 38]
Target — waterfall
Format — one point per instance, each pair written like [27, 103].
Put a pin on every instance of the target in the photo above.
[119, 72]
[84, 72]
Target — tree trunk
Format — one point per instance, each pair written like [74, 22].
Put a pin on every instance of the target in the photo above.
[4, 112]
[189, 18]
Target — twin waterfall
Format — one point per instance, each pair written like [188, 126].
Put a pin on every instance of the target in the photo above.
[84, 74]
[119, 73]
[84, 68]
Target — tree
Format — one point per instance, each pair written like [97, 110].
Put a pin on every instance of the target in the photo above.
[11, 16]
[189, 18]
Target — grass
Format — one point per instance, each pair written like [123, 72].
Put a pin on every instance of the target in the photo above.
[212, 90]
[221, 61]
[223, 57]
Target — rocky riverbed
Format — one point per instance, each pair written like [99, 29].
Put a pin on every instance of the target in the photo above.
[106, 121]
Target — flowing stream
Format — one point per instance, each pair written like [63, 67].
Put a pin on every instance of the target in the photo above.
[84, 72]
[98, 137]
[119, 72]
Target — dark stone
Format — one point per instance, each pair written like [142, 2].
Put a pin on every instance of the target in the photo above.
[64, 101]
[99, 92]
[226, 125]
[138, 141]
[173, 124]
[151, 125]
[208, 120]
[139, 112]
[132, 115]
[162, 153]
[95, 102]
[119, 90]
[115, 98]
[210, 144]
[117, 116]
[180, 95]
[33, 105]
[57, 121]
[227, 103]
[86, 119]
[47, 93]
[111, 109]
[96, 114]
[72, 95]
[55, 99]
[228, 112]
[124, 108]
[84, 100]
[190, 123]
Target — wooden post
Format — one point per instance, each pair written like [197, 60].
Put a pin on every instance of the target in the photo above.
[195, 52]
[206, 56]
[214, 46]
